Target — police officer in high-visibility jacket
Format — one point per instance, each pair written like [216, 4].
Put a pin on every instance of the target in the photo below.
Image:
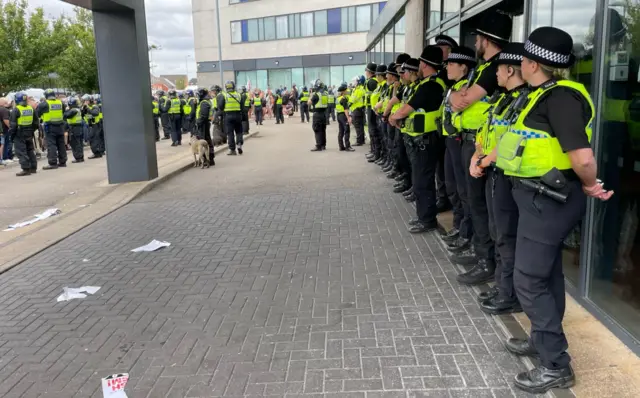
[357, 100]
[370, 85]
[256, 102]
[156, 117]
[189, 109]
[96, 140]
[344, 119]
[331, 108]
[51, 111]
[380, 98]
[73, 117]
[393, 83]
[230, 104]
[377, 138]
[304, 106]
[246, 101]
[319, 101]
[173, 107]
[417, 120]
[547, 154]
[277, 105]
[202, 123]
[22, 124]
[500, 299]
[163, 107]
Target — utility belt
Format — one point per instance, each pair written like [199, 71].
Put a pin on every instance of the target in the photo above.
[468, 135]
[419, 142]
[554, 184]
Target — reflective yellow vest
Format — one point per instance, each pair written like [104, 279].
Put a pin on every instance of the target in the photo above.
[247, 102]
[187, 107]
[475, 115]
[375, 96]
[232, 102]
[56, 113]
[323, 100]
[175, 106]
[367, 92]
[305, 96]
[420, 122]
[528, 153]
[214, 106]
[98, 118]
[257, 102]
[356, 100]
[76, 119]
[495, 126]
[156, 107]
[26, 115]
[278, 100]
[332, 98]
[339, 107]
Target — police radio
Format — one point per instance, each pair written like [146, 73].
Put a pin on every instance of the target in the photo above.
[514, 111]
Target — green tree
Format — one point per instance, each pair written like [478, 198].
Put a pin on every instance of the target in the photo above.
[29, 44]
[181, 84]
[77, 65]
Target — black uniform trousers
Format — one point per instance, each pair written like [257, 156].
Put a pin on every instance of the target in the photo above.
[357, 117]
[538, 278]
[76, 141]
[384, 139]
[176, 123]
[203, 132]
[404, 163]
[56, 150]
[233, 128]
[374, 133]
[245, 122]
[456, 182]
[279, 115]
[166, 125]
[304, 111]
[504, 212]
[319, 126]
[344, 131]
[258, 112]
[477, 198]
[24, 148]
[156, 126]
[423, 157]
[441, 186]
[96, 139]
[331, 108]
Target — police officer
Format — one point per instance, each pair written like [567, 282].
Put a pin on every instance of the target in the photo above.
[393, 81]
[417, 120]
[230, 104]
[22, 125]
[331, 108]
[370, 85]
[278, 107]
[547, 154]
[173, 107]
[203, 128]
[344, 119]
[319, 101]
[97, 131]
[156, 117]
[357, 106]
[257, 107]
[52, 113]
[163, 106]
[405, 181]
[379, 149]
[246, 101]
[217, 118]
[304, 106]
[189, 109]
[73, 117]
[472, 104]
[377, 103]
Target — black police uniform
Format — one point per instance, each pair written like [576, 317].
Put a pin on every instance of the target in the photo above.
[54, 134]
[22, 137]
[257, 108]
[370, 86]
[203, 125]
[404, 163]
[344, 130]
[96, 139]
[191, 117]
[75, 134]
[319, 123]
[245, 113]
[304, 106]
[278, 109]
[232, 121]
[163, 105]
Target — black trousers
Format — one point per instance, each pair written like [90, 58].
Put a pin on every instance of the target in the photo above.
[187, 124]
[176, 123]
[456, 182]
[279, 115]
[404, 163]
[357, 117]
[344, 131]
[96, 139]
[156, 126]
[258, 113]
[56, 150]
[331, 108]
[165, 120]
[538, 278]
[375, 138]
[319, 126]
[423, 169]
[233, 128]
[295, 106]
[441, 186]
[504, 212]
[76, 136]
[24, 148]
[245, 122]
[384, 139]
[482, 241]
[203, 132]
[304, 111]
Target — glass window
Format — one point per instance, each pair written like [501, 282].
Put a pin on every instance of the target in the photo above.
[297, 25]
[451, 7]
[269, 28]
[311, 74]
[375, 9]
[234, 1]
[297, 77]
[337, 75]
[247, 79]
[306, 24]
[291, 23]
[564, 16]
[279, 78]
[350, 71]
[245, 31]
[253, 29]
[236, 32]
[398, 37]
[454, 33]
[363, 18]
[379, 53]
[389, 42]
[614, 281]
[434, 13]
[282, 27]
[352, 19]
[320, 22]
[262, 81]
[260, 29]
[333, 20]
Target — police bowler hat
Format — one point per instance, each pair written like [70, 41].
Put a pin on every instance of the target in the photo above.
[371, 67]
[381, 70]
[551, 47]
[511, 54]
[432, 56]
[464, 56]
[496, 27]
[444, 40]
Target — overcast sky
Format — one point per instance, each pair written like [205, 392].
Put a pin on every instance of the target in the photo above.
[168, 25]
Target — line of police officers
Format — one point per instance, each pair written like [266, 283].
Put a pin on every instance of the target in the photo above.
[512, 138]
[56, 119]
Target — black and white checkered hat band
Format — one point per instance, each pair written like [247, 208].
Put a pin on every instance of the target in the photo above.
[543, 53]
[460, 57]
[444, 42]
[429, 62]
[510, 57]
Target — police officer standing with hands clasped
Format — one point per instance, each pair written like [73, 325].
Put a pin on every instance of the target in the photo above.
[230, 104]
[22, 124]
[547, 154]
[52, 113]
[319, 102]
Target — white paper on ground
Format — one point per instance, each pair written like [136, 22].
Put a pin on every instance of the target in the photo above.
[38, 217]
[71, 293]
[151, 246]
[113, 386]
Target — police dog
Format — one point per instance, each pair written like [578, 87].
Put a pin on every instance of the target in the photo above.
[200, 150]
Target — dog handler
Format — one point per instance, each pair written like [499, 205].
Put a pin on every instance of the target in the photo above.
[203, 126]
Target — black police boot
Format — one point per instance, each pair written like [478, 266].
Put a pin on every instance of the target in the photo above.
[387, 168]
[401, 177]
[349, 149]
[380, 161]
[372, 159]
[488, 294]
[539, 380]
[62, 165]
[369, 155]
[408, 192]
[34, 171]
[240, 150]
[50, 167]
[401, 188]
[317, 149]
[77, 161]
[521, 347]
[410, 198]
[23, 173]
[450, 236]
[98, 156]
[231, 153]
[499, 306]
[483, 272]
[458, 245]
[393, 174]
[466, 257]
[420, 227]
[413, 221]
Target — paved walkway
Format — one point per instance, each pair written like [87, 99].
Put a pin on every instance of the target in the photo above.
[289, 273]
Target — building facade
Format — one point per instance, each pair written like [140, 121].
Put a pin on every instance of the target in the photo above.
[601, 258]
[272, 44]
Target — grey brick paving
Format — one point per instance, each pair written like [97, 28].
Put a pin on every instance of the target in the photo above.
[293, 276]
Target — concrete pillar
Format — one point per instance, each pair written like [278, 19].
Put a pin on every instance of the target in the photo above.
[414, 26]
[123, 69]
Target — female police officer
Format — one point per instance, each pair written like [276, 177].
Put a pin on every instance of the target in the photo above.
[548, 155]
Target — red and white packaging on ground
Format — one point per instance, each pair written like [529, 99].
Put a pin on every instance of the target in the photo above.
[113, 386]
